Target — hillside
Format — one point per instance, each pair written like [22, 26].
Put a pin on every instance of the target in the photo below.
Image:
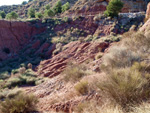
[79, 7]
[85, 60]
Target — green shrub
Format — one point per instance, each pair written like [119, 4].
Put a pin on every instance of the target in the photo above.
[39, 15]
[49, 13]
[12, 15]
[15, 81]
[4, 75]
[21, 103]
[2, 14]
[82, 87]
[113, 8]
[26, 77]
[24, 2]
[9, 93]
[31, 80]
[31, 13]
[15, 71]
[58, 7]
[65, 7]
[98, 55]
[47, 7]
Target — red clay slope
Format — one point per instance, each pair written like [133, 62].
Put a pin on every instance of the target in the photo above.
[74, 51]
[14, 35]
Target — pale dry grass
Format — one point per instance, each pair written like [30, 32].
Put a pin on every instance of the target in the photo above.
[133, 48]
[142, 108]
[93, 106]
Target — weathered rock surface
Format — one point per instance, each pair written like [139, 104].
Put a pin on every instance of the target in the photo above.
[148, 11]
[55, 95]
[15, 35]
[74, 51]
[146, 27]
[134, 5]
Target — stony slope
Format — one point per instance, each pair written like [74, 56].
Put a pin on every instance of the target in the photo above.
[88, 7]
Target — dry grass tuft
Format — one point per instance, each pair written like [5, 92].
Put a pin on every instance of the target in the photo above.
[128, 85]
[82, 87]
[21, 103]
[74, 72]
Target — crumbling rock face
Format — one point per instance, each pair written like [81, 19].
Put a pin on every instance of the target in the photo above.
[15, 35]
[74, 51]
[146, 27]
[134, 5]
[148, 11]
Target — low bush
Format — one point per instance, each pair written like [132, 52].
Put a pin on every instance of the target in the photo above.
[31, 13]
[9, 93]
[74, 72]
[14, 81]
[38, 15]
[142, 108]
[15, 71]
[82, 87]
[25, 77]
[93, 106]
[98, 55]
[21, 103]
[120, 57]
[128, 85]
[12, 15]
[65, 7]
[4, 75]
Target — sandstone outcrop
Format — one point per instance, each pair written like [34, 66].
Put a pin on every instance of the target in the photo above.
[74, 51]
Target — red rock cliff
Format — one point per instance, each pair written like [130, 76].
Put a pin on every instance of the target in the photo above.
[14, 35]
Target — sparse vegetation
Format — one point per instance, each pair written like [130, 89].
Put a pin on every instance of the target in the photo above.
[2, 14]
[127, 86]
[31, 13]
[74, 73]
[65, 7]
[39, 15]
[12, 15]
[47, 7]
[112, 80]
[19, 77]
[82, 87]
[49, 13]
[22, 103]
[58, 7]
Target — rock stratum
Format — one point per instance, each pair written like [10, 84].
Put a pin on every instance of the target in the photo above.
[74, 51]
